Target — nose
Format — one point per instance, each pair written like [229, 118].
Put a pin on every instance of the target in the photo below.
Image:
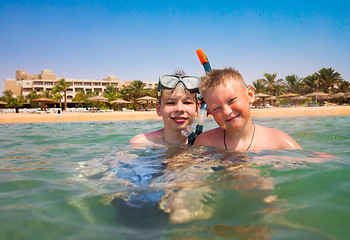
[227, 110]
[179, 107]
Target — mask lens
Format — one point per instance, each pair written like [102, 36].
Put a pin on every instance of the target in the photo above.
[191, 82]
[169, 81]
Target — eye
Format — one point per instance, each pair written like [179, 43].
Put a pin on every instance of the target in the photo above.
[232, 100]
[215, 109]
[188, 102]
[170, 103]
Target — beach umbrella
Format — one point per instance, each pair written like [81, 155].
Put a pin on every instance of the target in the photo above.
[98, 99]
[338, 95]
[320, 95]
[146, 99]
[120, 101]
[298, 98]
[2, 103]
[44, 100]
[271, 98]
[289, 95]
[261, 95]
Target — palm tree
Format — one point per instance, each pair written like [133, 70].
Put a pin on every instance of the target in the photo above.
[62, 86]
[153, 92]
[111, 92]
[137, 89]
[32, 95]
[56, 90]
[344, 87]
[309, 84]
[47, 94]
[328, 78]
[133, 91]
[293, 83]
[270, 82]
[8, 95]
[259, 86]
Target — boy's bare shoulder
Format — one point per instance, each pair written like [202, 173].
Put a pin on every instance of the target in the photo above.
[140, 138]
[151, 137]
[209, 137]
[272, 138]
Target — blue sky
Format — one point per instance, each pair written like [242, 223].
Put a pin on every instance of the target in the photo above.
[141, 40]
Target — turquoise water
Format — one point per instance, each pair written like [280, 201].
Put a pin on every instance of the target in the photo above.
[82, 181]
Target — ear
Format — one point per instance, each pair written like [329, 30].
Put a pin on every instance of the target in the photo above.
[158, 109]
[251, 94]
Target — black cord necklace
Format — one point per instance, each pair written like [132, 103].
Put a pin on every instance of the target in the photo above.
[171, 142]
[250, 141]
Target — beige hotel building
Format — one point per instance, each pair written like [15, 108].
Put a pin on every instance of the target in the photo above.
[25, 83]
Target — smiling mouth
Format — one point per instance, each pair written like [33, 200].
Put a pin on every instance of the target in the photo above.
[179, 119]
[233, 118]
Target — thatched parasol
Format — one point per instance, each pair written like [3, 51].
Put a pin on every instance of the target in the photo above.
[98, 99]
[318, 95]
[338, 95]
[298, 98]
[120, 101]
[3, 103]
[146, 99]
[261, 95]
[44, 100]
[289, 95]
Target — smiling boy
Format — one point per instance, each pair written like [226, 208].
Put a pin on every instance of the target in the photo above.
[177, 105]
[229, 100]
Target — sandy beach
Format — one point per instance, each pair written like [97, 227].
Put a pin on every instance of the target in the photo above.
[151, 115]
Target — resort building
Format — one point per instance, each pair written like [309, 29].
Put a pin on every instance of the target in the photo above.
[25, 83]
[45, 81]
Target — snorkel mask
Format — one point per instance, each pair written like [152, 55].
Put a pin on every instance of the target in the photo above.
[169, 82]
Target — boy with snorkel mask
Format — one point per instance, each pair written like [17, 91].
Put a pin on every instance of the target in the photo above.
[177, 105]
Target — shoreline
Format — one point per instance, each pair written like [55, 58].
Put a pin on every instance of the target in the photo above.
[152, 115]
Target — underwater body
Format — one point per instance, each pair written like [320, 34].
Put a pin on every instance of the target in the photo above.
[83, 181]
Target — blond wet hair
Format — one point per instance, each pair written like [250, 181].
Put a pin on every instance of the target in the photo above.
[219, 77]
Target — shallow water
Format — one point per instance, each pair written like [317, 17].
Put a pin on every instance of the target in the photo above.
[82, 181]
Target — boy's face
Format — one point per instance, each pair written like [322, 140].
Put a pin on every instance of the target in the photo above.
[178, 108]
[230, 105]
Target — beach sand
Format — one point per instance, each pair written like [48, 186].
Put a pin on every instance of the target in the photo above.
[151, 115]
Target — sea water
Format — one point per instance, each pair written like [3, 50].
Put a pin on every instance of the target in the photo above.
[83, 181]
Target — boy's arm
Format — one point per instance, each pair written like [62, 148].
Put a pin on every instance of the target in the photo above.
[284, 141]
[206, 139]
[140, 138]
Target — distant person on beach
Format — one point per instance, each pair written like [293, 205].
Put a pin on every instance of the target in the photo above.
[229, 99]
[177, 105]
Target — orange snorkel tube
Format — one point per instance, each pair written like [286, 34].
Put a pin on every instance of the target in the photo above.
[204, 60]
[203, 108]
